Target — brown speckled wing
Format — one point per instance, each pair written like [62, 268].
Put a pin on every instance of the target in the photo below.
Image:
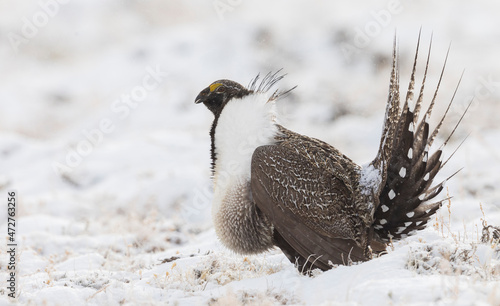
[306, 189]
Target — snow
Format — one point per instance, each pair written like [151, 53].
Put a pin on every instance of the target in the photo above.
[112, 164]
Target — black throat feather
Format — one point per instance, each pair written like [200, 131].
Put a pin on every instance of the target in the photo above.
[213, 155]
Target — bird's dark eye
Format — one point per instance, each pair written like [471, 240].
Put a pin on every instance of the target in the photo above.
[221, 88]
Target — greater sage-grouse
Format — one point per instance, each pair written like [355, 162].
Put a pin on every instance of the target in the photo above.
[274, 187]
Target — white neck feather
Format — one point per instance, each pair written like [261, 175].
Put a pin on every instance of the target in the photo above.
[243, 125]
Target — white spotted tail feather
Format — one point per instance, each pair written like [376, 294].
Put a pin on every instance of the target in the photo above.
[407, 167]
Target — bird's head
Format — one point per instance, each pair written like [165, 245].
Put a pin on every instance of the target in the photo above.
[216, 96]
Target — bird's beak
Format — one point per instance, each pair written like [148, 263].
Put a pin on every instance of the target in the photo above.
[200, 98]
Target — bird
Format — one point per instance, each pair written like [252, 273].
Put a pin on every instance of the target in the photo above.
[277, 188]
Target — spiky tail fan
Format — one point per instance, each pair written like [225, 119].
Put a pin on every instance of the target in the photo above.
[407, 168]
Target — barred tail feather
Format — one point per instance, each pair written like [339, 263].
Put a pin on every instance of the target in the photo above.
[381, 161]
[411, 168]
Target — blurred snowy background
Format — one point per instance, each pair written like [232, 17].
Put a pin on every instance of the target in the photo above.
[100, 136]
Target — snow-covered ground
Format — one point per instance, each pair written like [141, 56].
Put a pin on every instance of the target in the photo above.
[100, 137]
